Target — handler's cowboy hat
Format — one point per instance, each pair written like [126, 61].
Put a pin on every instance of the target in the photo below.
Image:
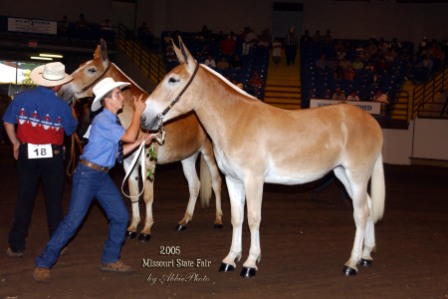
[102, 88]
[50, 75]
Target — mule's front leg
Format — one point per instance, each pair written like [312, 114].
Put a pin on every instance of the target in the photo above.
[237, 197]
[254, 197]
[133, 192]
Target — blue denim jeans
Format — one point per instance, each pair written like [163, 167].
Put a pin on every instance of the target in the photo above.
[87, 185]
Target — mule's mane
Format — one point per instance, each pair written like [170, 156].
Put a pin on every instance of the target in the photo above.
[225, 80]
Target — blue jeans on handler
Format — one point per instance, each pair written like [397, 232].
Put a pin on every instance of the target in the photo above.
[87, 185]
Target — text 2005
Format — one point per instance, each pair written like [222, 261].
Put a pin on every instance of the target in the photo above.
[169, 250]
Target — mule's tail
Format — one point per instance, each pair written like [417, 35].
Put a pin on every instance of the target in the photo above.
[206, 183]
[378, 190]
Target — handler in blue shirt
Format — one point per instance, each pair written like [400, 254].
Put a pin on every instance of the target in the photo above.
[91, 180]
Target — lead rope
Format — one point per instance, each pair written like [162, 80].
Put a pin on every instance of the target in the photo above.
[140, 153]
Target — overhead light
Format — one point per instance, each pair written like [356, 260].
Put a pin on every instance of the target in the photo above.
[51, 55]
[41, 58]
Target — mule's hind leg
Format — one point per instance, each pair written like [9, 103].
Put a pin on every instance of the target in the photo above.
[356, 186]
[189, 168]
[209, 157]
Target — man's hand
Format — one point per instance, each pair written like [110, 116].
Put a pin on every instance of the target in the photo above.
[139, 104]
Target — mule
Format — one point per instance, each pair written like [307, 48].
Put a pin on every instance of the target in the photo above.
[256, 143]
[186, 140]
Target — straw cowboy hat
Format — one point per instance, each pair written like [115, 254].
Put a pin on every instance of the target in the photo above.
[102, 88]
[50, 75]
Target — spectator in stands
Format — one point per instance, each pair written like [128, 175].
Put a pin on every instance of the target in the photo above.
[82, 29]
[63, 28]
[276, 51]
[222, 64]
[81, 22]
[317, 37]
[357, 64]
[291, 44]
[381, 97]
[327, 37]
[250, 40]
[306, 37]
[228, 45]
[338, 95]
[237, 64]
[210, 61]
[265, 39]
[256, 84]
[321, 62]
[349, 74]
[353, 96]
[107, 32]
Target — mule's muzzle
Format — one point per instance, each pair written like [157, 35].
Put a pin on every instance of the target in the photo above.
[151, 124]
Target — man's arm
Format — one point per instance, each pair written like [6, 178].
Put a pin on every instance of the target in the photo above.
[11, 132]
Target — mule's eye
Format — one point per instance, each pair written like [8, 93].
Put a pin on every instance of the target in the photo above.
[172, 80]
[92, 70]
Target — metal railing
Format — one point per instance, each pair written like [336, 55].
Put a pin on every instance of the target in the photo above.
[424, 98]
[150, 63]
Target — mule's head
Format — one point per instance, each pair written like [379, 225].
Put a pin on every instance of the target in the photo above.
[175, 95]
[86, 76]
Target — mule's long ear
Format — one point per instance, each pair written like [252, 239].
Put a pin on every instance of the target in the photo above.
[185, 53]
[178, 52]
[104, 55]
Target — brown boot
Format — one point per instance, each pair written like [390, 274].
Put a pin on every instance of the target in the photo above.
[41, 274]
[117, 266]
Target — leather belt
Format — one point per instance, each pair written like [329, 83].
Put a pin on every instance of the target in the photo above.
[94, 166]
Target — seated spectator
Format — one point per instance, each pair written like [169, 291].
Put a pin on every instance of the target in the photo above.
[63, 28]
[382, 98]
[222, 64]
[349, 74]
[338, 95]
[353, 96]
[256, 84]
[210, 61]
[321, 62]
[357, 64]
[237, 64]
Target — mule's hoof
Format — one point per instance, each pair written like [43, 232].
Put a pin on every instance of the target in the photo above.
[366, 263]
[131, 235]
[226, 267]
[218, 225]
[181, 227]
[349, 271]
[144, 238]
[248, 272]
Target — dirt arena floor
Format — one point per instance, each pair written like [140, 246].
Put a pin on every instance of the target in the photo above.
[305, 240]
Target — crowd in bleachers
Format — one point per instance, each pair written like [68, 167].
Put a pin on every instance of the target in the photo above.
[241, 58]
[365, 67]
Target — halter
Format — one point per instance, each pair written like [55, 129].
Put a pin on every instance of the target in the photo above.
[160, 116]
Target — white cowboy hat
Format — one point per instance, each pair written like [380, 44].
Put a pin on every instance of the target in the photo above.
[50, 75]
[102, 88]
